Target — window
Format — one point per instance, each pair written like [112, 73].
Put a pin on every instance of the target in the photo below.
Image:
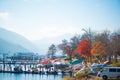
[105, 69]
[118, 70]
[112, 70]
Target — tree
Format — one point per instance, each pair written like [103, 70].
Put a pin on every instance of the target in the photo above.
[74, 41]
[70, 48]
[84, 48]
[105, 39]
[66, 48]
[63, 45]
[52, 50]
[115, 42]
[98, 49]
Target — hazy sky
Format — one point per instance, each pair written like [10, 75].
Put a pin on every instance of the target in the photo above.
[36, 19]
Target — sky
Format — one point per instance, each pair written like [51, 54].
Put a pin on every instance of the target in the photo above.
[37, 19]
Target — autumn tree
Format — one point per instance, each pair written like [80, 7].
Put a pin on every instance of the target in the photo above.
[98, 49]
[84, 48]
[93, 44]
[66, 48]
[70, 48]
[89, 35]
[104, 38]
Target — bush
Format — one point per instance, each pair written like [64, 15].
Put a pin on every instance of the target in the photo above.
[66, 78]
[114, 64]
[94, 60]
[81, 76]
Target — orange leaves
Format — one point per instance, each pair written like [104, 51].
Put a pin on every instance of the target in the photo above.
[98, 49]
[84, 48]
[75, 51]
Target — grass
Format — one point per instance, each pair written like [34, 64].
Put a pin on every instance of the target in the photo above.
[83, 78]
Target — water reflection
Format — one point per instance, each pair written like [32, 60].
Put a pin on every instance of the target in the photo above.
[12, 76]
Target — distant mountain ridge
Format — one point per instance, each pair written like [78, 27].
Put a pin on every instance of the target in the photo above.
[13, 42]
[10, 48]
[10, 39]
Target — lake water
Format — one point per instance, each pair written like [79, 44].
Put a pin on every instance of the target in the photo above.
[22, 76]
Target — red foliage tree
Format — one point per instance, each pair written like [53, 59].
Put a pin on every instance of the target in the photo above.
[84, 48]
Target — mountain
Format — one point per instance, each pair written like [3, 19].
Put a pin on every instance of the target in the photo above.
[43, 44]
[7, 47]
[13, 39]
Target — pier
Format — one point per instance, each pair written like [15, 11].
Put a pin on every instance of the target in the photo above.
[29, 67]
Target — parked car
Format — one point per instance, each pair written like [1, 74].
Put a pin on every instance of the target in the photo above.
[110, 72]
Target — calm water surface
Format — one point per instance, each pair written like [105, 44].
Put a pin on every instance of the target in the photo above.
[12, 76]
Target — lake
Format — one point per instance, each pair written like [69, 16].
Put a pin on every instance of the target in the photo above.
[22, 76]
